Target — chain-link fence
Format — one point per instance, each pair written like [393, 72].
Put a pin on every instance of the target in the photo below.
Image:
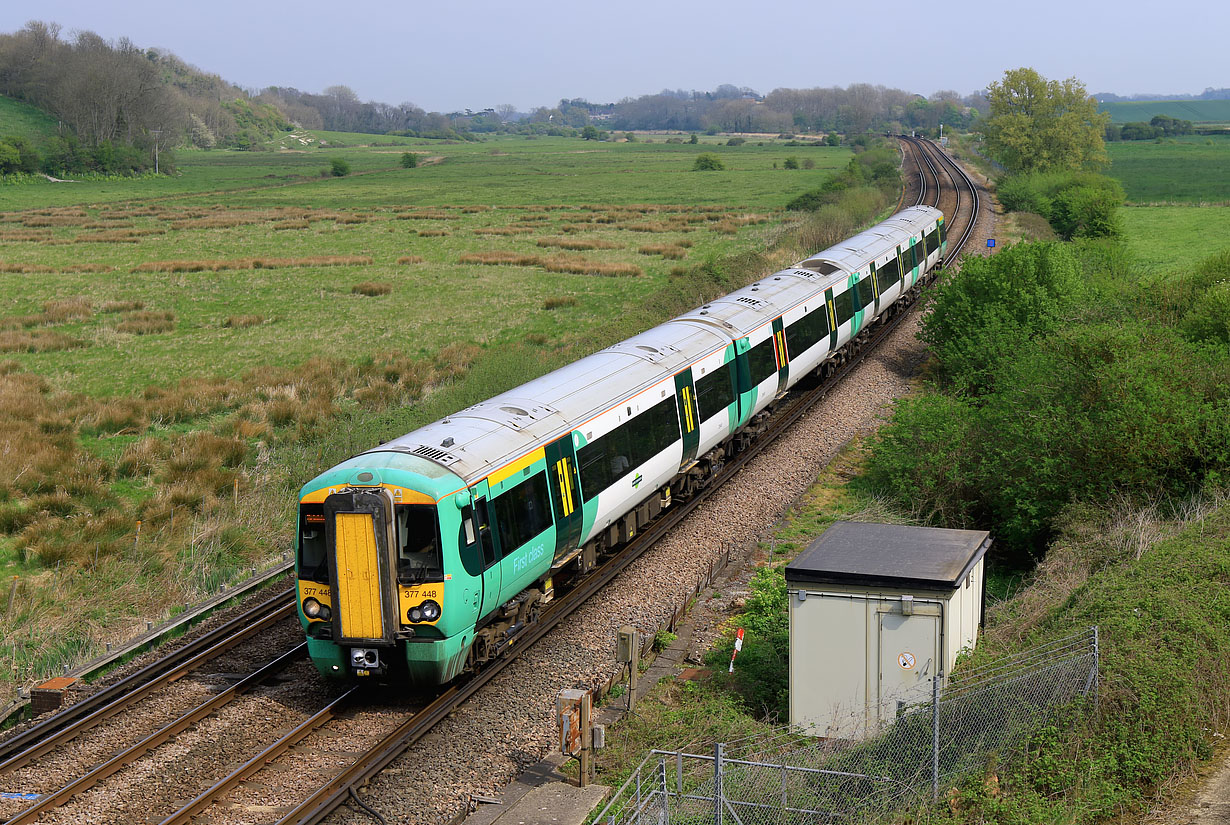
[785, 777]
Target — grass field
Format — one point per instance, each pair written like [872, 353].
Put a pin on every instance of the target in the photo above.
[178, 354]
[1170, 238]
[1188, 169]
[1141, 111]
[227, 209]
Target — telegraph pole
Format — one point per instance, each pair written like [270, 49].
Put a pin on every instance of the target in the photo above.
[155, 133]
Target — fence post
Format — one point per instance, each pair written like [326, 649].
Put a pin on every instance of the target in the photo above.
[1097, 655]
[665, 815]
[935, 737]
[717, 784]
[679, 773]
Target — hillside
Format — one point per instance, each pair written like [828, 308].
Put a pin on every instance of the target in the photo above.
[19, 119]
[1141, 111]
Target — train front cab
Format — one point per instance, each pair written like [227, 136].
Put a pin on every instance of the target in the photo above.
[382, 591]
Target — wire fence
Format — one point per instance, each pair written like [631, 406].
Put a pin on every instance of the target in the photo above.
[786, 777]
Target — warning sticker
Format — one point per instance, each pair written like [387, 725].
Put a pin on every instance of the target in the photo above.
[906, 660]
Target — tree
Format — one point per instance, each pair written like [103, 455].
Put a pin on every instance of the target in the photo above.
[708, 162]
[1040, 125]
[409, 160]
[791, 163]
[589, 133]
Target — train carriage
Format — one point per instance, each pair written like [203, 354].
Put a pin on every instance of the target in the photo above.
[427, 555]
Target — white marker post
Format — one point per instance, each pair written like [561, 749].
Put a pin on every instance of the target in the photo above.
[735, 652]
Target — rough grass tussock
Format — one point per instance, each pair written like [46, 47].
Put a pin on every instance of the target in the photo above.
[504, 230]
[146, 322]
[500, 258]
[434, 233]
[243, 321]
[410, 259]
[584, 266]
[37, 340]
[577, 244]
[559, 301]
[120, 306]
[669, 251]
[252, 263]
[371, 288]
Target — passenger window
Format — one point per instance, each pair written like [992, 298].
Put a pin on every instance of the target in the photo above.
[866, 293]
[888, 275]
[715, 392]
[761, 361]
[606, 460]
[523, 512]
[843, 306]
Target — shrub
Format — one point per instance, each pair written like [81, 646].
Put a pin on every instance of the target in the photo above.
[791, 163]
[762, 673]
[996, 306]
[1076, 204]
[338, 167]
[736, 141]
[409, 160]
[708, 162]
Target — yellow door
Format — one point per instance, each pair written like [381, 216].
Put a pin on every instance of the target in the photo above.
[358, 577]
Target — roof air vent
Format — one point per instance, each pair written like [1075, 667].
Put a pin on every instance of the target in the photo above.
[434, 454]
[515, 411]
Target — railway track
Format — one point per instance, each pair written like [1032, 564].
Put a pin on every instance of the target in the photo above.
[406, 730]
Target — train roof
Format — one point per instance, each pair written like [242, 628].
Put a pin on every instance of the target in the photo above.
[873, 243]
[482, 438]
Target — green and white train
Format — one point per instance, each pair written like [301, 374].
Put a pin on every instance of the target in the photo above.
[426, 556]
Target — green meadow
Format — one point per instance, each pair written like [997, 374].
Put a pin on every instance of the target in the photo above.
[1175, 238]
[224, 209]
[1189, 169]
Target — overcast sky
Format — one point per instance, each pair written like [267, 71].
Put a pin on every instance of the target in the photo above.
[445, 56]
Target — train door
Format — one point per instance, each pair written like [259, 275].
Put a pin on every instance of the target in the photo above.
[490, 551]
[565, 490]
[828, 302]
[779, 351]
[689, 415]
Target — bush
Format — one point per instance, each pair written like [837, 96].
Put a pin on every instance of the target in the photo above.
[791, 163]
[708, 162]
[338, 167]
[996, 307]
[1076, 204]
[1087, 412]
[736, 141]
[409, 160]
[762, 668]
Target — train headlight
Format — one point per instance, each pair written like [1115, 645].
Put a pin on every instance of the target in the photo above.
[431, 610]
[415, 614]
[313, 609]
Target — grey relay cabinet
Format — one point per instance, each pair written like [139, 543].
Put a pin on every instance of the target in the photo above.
[876, 612]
